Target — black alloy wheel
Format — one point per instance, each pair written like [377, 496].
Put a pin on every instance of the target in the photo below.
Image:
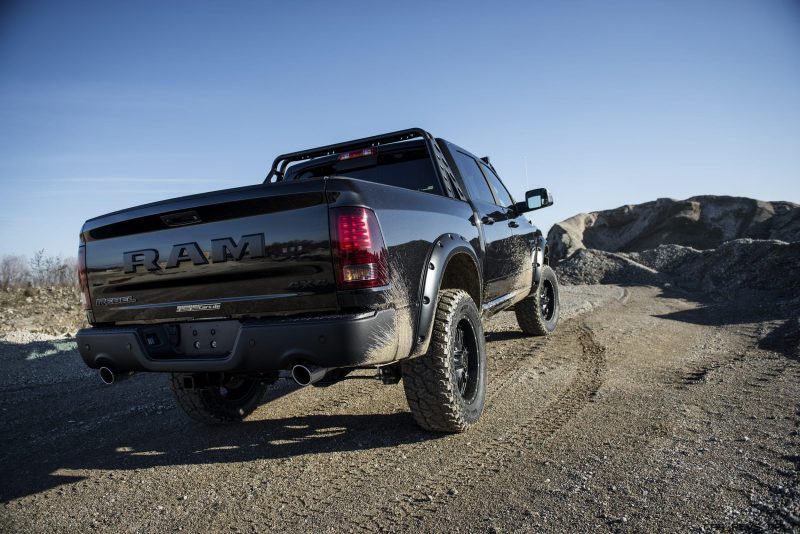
[537, 315]
[547, 299]
[466, 362]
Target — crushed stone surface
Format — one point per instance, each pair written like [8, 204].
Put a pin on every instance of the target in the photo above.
[647, 410]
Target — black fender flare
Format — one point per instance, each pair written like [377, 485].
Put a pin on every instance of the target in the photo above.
[445, 247]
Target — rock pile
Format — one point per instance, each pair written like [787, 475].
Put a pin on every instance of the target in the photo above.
[763, 265]
[696, 244]
[702, 222]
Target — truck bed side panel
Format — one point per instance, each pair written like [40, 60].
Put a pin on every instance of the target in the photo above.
[411, 222]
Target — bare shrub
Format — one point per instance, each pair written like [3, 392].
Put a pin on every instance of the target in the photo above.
[40, 271]
[13, 271]
[65, 272]
[52, 270]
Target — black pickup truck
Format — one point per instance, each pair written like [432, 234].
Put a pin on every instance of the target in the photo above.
[386, 252]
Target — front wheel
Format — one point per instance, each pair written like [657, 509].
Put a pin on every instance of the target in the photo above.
[537, 315]
[228, 401]
[446, 388]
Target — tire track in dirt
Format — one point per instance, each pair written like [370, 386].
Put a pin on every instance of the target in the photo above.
[491, 455]
[580, 392]
[349, 473]
[509, 370]
[531, 432]
[349, 463]
[537, 348]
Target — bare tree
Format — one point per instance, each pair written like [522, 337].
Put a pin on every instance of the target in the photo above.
[39, 266]
[13, 271]
[67, 272]
[52, 270]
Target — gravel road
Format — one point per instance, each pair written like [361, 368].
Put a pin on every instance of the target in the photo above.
[645, 411]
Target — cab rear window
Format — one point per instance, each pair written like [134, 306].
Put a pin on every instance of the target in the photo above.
[410, 169]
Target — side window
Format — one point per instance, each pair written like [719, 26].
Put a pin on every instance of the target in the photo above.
[477, 187]
[500, 191]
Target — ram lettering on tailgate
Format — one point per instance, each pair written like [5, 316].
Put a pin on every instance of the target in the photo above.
[222, 250]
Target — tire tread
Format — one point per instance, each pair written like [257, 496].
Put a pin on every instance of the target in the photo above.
[528, 311]
[430, 392]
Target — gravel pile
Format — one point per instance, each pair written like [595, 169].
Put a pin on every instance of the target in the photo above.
[591, 266]
[760, 274]
[740, 265]
[50, 311]
[721, 247]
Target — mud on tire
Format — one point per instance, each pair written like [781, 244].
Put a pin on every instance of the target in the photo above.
[537, 315]
[446, 388]
[230, 402]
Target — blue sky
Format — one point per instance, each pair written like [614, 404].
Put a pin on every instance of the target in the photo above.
[111, 104]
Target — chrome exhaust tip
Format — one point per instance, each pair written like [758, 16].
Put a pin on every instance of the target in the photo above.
[306, 375]
[108, 376]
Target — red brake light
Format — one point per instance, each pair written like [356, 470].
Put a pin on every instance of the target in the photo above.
[83, 278]
[371, 151]
[359, 249]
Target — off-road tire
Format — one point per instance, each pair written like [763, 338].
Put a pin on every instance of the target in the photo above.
[537, 315]
[445, 388]
[209, 405]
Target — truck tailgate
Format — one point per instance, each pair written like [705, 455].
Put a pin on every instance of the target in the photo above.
[247, 252]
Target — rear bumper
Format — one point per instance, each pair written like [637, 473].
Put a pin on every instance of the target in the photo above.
[250, 346]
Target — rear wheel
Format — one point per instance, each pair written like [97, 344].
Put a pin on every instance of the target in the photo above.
[537, 315]
[446, 388]
[229, 400]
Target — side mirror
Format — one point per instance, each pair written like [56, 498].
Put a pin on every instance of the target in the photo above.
[537, 199]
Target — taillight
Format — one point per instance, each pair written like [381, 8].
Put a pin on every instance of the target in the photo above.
[359, 251]
[363, 152]
[83, 279]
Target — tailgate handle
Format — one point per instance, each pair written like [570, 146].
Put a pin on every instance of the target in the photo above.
[181, 219]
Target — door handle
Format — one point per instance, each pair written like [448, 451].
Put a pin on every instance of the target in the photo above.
[513, 224]
[487, 220]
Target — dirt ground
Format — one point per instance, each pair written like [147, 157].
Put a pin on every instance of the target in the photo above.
[645, 411]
